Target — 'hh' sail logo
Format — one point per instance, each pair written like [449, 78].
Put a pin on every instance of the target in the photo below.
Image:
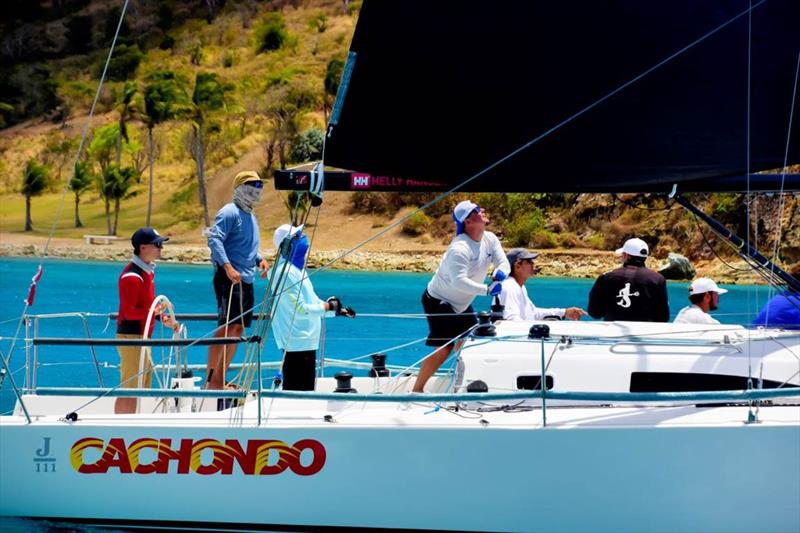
[359, 181]
[204, 456]
[625, 296]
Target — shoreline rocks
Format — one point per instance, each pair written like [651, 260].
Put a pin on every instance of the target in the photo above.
[569, 264]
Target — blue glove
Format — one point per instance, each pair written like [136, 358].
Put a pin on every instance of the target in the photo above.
[494, 289]
[499, 275]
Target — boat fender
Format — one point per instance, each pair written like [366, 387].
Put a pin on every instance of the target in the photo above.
[71, 417]
[539, 331]
[478, 386]
[343, 382]
[485, 327]
[378, 369]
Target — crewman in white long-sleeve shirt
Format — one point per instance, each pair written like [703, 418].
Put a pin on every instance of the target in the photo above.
[514, 296]
[458, 280]
[704, 297]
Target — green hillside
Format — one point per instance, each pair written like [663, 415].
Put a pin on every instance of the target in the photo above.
[225, 86]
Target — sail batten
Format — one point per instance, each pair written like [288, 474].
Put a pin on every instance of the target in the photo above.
[443, 90]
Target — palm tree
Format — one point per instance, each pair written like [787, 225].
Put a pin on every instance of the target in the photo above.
[209, 95]
[128, 108]
[128, 177]
[164, 99]
[114, 185]
[80, 181]
[58, 152]
[34, 182]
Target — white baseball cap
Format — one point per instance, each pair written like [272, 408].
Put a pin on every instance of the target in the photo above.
[701, 285]
[463, 210]
[634, 247]
[283, 231]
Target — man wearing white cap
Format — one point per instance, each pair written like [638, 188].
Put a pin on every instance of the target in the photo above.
[704, 295]
[297, 323]
[632, 292]
[458, 280]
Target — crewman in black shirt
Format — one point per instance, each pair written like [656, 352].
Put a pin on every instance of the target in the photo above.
[632, 292]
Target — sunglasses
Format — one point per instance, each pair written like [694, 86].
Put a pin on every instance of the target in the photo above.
[256, 184]
[156, 244]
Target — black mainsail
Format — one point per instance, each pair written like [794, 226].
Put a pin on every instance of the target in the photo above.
[621, 95]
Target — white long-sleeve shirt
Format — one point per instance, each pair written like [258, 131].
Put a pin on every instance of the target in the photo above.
[518, 306]
[692, 314]
[459, 278]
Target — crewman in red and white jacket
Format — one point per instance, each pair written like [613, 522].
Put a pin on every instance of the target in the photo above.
[136, 295]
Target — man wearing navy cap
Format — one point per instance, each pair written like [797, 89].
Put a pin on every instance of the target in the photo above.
[517, 305]
[136, 295]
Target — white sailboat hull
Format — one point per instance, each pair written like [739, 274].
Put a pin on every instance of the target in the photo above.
[590, 469]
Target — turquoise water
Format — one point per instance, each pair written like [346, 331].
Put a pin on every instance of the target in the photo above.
[90, 286]
[69, 286]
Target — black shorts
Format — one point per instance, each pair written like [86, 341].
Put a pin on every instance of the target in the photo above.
[299, 370]
[222, 288]
[449, 325]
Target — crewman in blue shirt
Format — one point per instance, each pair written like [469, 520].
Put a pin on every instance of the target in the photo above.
[234, 242]
[297, 323]
[783, 309]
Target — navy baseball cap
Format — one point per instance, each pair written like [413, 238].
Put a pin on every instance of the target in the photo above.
[147, 236]
[519, 254]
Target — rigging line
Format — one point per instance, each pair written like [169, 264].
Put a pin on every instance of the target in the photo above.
[384, 350]
[248, 373]
[783, 176]
[708, 244]
[541, 136]
[74, 163]
[86, 127]
[747, 134]
[768, 276]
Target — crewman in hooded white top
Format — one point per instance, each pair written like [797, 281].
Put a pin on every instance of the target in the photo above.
[704, 295]
[458, 280]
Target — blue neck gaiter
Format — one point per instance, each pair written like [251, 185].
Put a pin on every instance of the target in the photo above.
[298, 248]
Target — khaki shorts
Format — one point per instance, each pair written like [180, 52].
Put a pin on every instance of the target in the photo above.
[129, 364]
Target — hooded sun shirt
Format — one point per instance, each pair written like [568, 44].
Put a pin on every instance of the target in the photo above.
[246, 197]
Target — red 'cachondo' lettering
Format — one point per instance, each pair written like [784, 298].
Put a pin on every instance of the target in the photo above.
[205, 457]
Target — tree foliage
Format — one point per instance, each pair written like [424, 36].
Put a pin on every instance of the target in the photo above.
[34, 183]
[271, 33]
[28, 91]
[165, 99]
[333, 75]
[104, 145]
[82, 179]
[307, 146]
[209, 96]
[114, 185]
[127, 105]
[123, 63]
